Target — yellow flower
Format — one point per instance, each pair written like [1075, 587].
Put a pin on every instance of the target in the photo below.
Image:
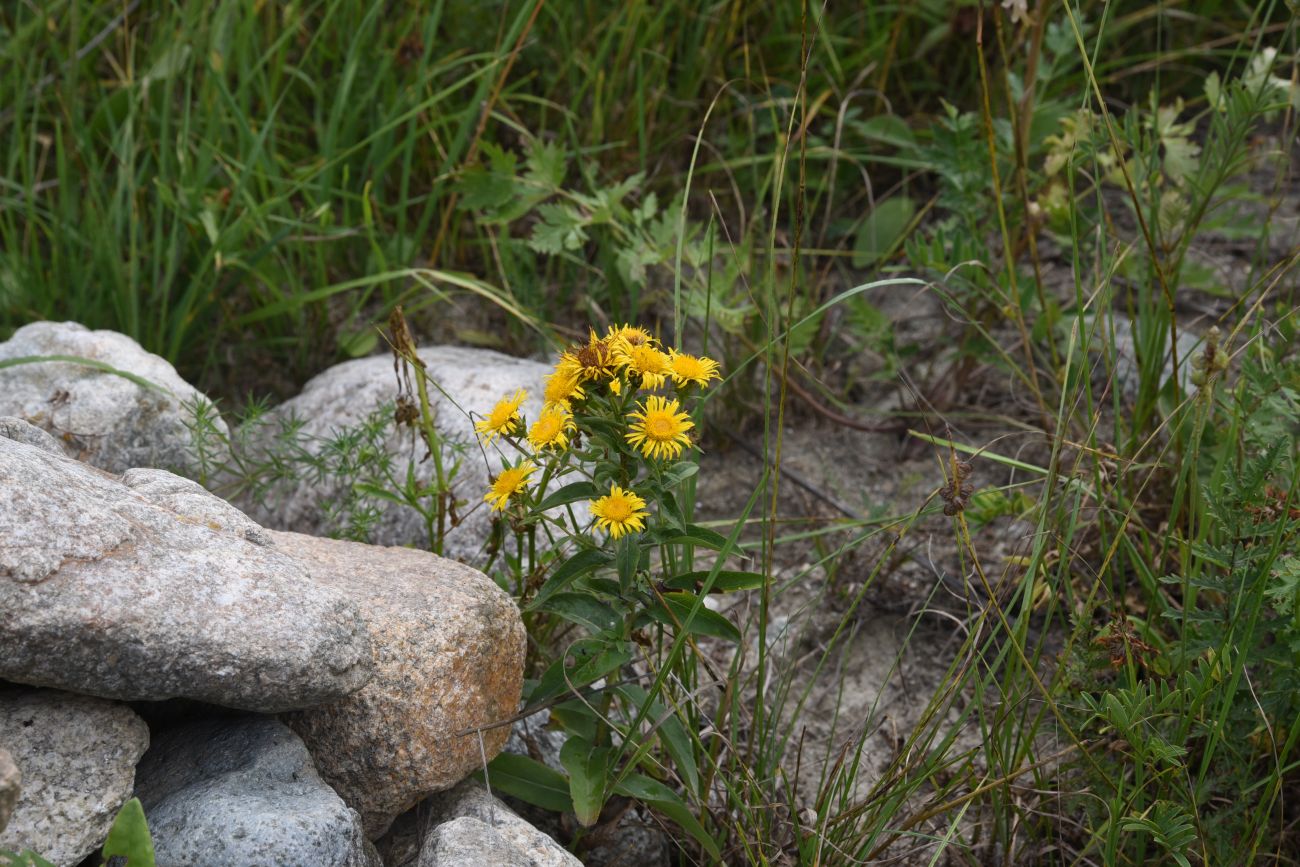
[660, 429]
[619, 512]
[645, 361]
[593, 361]
[687, 369]
[503, 419]
[616, 386]
[630, 333]
[562, 389]
[551, 430]
[510, 481]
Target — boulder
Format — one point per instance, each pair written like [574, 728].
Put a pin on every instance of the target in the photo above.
[150, 588]
[345, 395]
[121, 407]
[471, 828]
[234, 793]
[11, 784]
[78, 756]
[448, 650]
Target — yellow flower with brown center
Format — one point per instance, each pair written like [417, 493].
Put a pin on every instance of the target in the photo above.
[551, 430]
[659, 429]
[593, 361]
[508, 483]
[649, 364]
[503, 419]
[630, 333]
[619, 512]
[562, 389]
[687, 369]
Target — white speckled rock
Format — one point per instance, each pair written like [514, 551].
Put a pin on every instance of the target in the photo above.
[11, 784]
[344, 395]
[78, 756]
[470, 828]
[97, 416]
[448, 656]
[150, 588]
[234, 793]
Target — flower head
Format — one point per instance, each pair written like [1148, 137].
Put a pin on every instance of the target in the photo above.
[631, 334]
[659, 429]
[688, 369]
[562, 389]
[593, 361]
[508, 482]
[619, 512]
[551, 430]
[503, 419]
[642, 359]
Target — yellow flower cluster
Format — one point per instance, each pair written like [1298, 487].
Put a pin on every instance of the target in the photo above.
[603, 377]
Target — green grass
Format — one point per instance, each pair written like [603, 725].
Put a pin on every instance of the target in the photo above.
[246, 186]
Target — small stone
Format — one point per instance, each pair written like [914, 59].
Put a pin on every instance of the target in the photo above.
[78, 756]
[469, 820]
[234, 793]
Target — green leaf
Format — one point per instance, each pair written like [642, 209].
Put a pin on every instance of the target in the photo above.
[577, 718]
[577, 565]
[882, 229]
[583, 610]
[531, 781]
[665, 800]
[680, 472]
[697, 535]
[704, 621]
[672, 733]
[727, 580]
[627, 556]
[129, 837]
[593, 659]
[84, 362]
[588, 768]
[25, 858]
[569, 494]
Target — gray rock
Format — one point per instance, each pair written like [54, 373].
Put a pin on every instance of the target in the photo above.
[143, 602]
[448, 656]
[346, 394]
[98, 416]
[1127, 371]
[11, 784]
[471, 828]
[16, 429]
[78, 756]
[244, 793]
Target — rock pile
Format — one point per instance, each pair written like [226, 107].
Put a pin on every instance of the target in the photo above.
[325, 686]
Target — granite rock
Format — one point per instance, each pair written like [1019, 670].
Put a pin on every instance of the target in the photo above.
[237, 793]
[471, 828]
[152, 589]
[448, 656]
[345, 395]
[11, 784]
[78, 756]
[97, 415]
